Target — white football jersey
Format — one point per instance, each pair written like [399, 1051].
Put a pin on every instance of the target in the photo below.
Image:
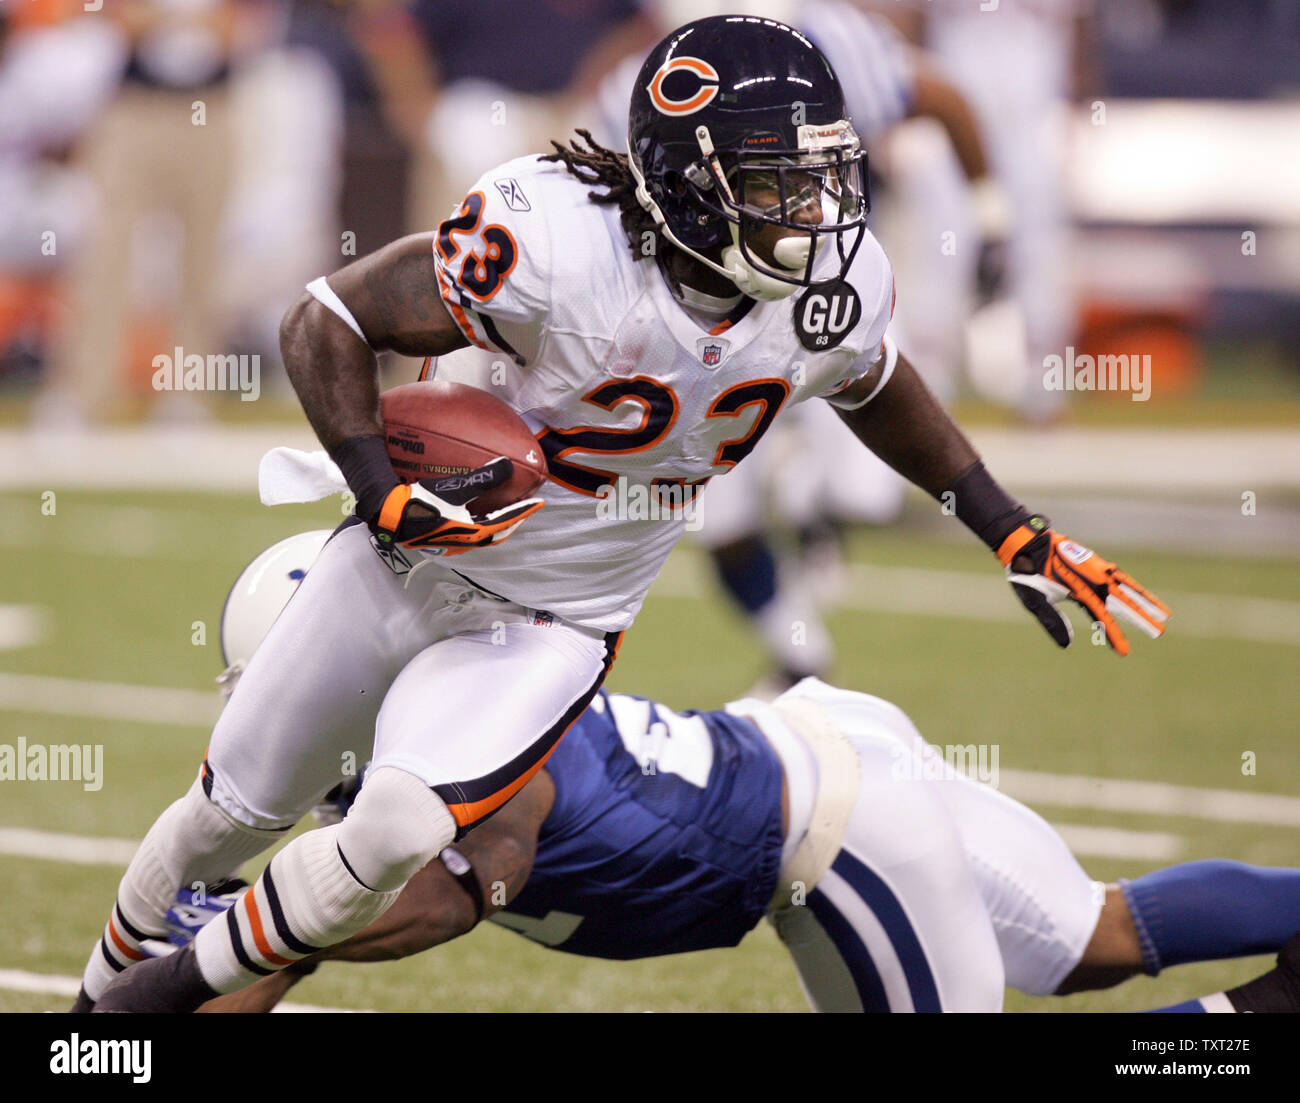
[634, 404]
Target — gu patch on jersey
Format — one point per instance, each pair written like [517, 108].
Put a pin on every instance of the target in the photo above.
[513, 194]
[825, 314]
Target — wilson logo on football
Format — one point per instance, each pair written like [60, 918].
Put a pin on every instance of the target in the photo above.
[698, 85]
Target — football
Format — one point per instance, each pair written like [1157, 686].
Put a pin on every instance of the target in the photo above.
[439, 428]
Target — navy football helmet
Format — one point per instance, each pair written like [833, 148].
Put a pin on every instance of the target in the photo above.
[736, 123]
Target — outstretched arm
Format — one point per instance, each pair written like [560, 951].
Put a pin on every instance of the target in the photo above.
[433, 908]
[907, 428]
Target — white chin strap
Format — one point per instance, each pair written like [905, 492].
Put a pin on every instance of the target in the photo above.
[791, 254]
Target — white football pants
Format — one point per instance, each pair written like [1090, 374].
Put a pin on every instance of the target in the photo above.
[468, 692]
[942, 890]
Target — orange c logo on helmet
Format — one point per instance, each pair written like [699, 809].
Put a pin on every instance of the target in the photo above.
[708, 77]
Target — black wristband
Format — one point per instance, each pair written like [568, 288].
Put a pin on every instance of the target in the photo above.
[365, 464]
[458, 866]
[984, 507]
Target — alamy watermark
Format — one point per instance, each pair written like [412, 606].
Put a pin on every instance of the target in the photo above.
[181, 371]
[102, 1056]
[83, 762]
[628, 501]
[1108, 372]
[978, 761]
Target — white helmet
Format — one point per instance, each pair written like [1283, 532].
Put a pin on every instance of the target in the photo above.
[261, 591]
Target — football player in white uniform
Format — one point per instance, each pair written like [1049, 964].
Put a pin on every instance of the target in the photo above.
[835, 482]
[584, 270]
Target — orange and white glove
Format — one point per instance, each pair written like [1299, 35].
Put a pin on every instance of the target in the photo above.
[1045, 568]
[432, 515]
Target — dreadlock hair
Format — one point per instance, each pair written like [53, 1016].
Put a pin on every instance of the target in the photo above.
[607, 169]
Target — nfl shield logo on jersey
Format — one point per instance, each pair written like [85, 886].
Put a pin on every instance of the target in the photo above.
[712, 352]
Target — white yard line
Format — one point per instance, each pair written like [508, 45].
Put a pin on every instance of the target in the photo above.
[1086, 840]
[1152, 798]
[54, 846]
[972, 596]
[983, 596]
[225, 457]
[108, 700]
[49, 984]
[189, 707]
[22, 626]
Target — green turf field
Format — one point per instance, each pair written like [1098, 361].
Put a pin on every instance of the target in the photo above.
[125, 577]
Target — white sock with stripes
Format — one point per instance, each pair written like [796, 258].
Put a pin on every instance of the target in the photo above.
[318, 890]
[305, 900]
[192, 841]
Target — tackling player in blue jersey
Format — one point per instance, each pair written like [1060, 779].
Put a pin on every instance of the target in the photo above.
[895, 883]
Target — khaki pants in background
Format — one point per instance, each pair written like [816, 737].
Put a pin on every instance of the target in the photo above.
[145, 155]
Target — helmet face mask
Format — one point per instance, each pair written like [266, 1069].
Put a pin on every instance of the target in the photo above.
[726, 156]
[810, 195]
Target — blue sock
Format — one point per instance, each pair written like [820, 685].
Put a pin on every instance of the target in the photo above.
[1187, 1007]
[1203, 911]
[747, 569]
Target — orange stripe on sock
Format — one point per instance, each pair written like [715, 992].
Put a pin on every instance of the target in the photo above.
[259, 937]
[134, 955]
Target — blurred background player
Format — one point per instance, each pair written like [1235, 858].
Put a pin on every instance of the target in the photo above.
[896, 883]
[162, 150]
[45, 203]
[809, 479]
[1019, 65]
[508, 78]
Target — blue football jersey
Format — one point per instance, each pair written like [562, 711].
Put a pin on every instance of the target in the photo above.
[665, 836]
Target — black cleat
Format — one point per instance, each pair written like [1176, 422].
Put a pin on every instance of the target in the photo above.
[170, 985]
[83, 1005]
[1277, 991]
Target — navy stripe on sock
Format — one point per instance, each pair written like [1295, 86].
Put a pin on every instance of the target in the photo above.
[242, 954]
[131, 930]
[134, 932]
[348, 866]
[114, 964]
[296, 944]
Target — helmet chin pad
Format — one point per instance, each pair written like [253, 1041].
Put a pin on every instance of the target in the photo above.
[792, 252]
[756, 283]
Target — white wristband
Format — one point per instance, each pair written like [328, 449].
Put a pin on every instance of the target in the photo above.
[323, 293]
[891, 358]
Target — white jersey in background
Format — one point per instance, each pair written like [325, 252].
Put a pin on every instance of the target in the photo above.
[622, 386]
